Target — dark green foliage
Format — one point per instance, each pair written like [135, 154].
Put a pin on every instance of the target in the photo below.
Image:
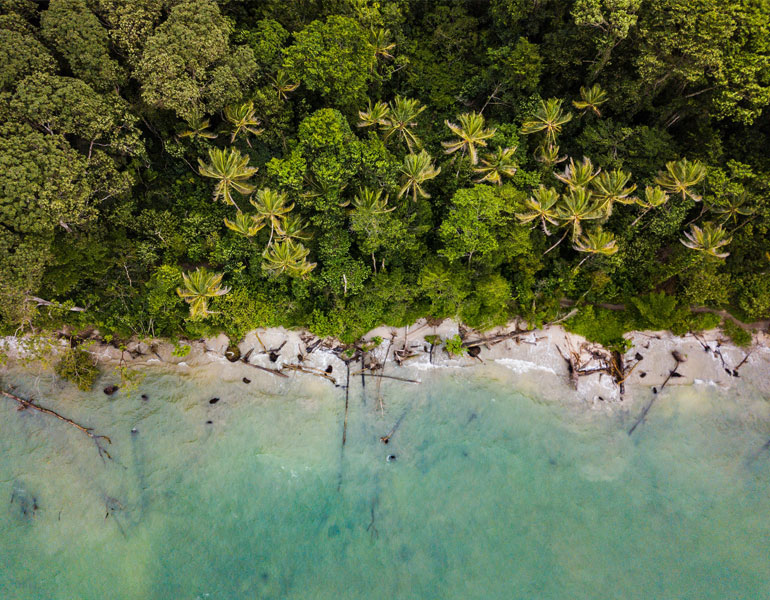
[79, 367]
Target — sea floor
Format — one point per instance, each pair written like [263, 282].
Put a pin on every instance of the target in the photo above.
[490, 493]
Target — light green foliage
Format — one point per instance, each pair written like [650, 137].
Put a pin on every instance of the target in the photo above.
[181, 350]
[76, 33]
[444, 287]
[605, 327]
[454, 346]
[187, 64]
[754, 296]
[490, 303]
[164, 306]
[79, 367]
[475, 221]
[737, 335]
[332, 58]
[656, 310]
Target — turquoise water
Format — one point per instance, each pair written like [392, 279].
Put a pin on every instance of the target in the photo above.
[492, 494]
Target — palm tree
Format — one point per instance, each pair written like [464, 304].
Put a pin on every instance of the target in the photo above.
[471, 133]
[597, 241]
[198, 288]
[733, 207]
[244, 224]
[541, 206]
[243, 119]
[708, 239]
[578, 175]
[380, 41]
[198, 127]
[590, 99]
[232, 171]
[653, 198]
[612, 186]
[577, 206]
[549, 117]
[288, 257]
[370, 202]
[401, 120]
[417, 169]
[271, 206]
[284, 85]
[681, 176]
[375, 114]
[292, 227]
[548, 154]
[496, 164]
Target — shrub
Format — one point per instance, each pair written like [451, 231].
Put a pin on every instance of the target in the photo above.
[79, 367]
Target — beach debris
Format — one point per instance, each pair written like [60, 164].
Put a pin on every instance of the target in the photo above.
[672, 373]
[386, 438]
[233, 353]
[111, 389]
[213, 400]
[678, 356]
[329, 370]
[371, 527]
[97, 439]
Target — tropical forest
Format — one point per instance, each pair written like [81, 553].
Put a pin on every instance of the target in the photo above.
[181, 168]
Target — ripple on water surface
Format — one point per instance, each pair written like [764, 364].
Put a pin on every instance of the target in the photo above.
[487, 493]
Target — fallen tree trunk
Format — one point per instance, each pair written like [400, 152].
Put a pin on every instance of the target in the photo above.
[647, 408]
[97, 439]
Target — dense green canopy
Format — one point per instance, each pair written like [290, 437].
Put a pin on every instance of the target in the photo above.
[341, 164]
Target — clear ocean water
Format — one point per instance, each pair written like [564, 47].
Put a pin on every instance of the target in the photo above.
[493, 494]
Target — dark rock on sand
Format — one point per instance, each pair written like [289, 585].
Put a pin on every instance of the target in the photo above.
[111, 389]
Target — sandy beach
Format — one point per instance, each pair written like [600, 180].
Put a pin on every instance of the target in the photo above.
[565, 360]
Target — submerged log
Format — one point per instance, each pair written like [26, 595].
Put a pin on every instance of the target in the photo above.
[672, 373]
[97, 439]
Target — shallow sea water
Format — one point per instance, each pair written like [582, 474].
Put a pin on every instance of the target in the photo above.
[492, 494]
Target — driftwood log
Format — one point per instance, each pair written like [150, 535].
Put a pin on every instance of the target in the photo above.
[97, 439]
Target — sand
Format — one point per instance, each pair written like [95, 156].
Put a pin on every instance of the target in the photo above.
[707, 358]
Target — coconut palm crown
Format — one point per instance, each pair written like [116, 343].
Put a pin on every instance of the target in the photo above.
[681, 176]
[416, 170]
[470, 133]
[707, 239]
[495, 165]
[199, 286]
[231, 169]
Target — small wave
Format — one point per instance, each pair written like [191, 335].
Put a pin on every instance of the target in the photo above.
[522, 366]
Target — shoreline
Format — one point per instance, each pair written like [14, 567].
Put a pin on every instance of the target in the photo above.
[594, 375]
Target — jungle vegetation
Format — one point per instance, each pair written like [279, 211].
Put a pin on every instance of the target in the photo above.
[183, 167]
